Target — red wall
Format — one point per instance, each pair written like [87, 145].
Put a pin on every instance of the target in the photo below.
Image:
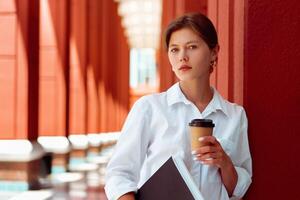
[272, 96]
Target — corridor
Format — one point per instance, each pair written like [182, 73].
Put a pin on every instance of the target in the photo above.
[71, 70]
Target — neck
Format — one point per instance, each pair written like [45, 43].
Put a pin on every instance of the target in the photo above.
[198, 92]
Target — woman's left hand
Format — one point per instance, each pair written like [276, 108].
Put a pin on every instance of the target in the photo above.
[212, 153]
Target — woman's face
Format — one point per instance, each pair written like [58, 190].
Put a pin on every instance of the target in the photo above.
[190, 56]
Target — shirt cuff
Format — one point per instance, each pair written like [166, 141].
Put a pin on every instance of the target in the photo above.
[118, 186]
[243, 183]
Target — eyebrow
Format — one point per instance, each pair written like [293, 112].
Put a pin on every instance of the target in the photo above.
[189, 42]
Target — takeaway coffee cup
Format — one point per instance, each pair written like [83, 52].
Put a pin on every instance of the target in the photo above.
[200, 128]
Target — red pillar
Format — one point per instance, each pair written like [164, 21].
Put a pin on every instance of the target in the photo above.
[93, 67]
[19, 69]
[166, 75]
[111, 66]
[8, 70]
[227, 77]
[114, 74]
[53, 63]
[19, 94]
[212, 13]
[237, 53]
[224, 68]
[103, 66]
[78, 67]
[122, 89]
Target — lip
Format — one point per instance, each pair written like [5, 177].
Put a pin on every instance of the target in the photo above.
[184, 68]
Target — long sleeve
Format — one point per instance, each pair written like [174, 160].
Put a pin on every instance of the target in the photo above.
[243, 164]
[123, 170]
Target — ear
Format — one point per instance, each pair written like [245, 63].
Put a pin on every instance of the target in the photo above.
[215, 52]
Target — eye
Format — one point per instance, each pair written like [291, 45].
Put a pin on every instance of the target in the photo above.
[192, 47]
[173, 50]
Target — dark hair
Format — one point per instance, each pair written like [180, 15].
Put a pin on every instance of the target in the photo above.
[198, 23]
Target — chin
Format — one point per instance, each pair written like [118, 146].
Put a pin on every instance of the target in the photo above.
[186, 78]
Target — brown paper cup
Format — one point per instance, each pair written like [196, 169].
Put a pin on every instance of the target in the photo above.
[200, 128]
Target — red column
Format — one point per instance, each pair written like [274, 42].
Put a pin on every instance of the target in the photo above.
[227, 77]
[19, 69]
[166, 75]
[78, 67]
[114, 80]
[238, 52]
[103, 65]
[93, 67]
[8, 70]
[53, 64]
[212, 13]
[111, 66]
[19, 93]
[224, 68]
[223, 14]
[184, 6]
[122, 77]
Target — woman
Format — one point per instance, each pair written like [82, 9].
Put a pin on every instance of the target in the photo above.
[157, 126]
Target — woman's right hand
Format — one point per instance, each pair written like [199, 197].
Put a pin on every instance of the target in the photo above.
[127, 196]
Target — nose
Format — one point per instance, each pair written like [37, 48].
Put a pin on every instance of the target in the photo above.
[183, 57]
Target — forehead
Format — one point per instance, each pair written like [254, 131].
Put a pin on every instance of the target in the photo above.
[183, 36]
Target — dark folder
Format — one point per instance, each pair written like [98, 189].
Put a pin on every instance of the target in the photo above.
[171, 181]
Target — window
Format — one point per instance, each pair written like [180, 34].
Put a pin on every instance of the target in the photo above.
[143, 68]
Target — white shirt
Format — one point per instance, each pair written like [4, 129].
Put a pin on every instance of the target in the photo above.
[157, 128]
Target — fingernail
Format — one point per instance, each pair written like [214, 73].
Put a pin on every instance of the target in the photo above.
[193, 152]
[201, 138]
[194, 158]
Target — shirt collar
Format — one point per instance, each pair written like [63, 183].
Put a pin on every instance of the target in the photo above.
[175, 95]
[217, 103]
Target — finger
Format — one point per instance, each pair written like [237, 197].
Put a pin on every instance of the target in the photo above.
[202, 158]
[208, 139]
[205, 149]
[212, 162]
[208, 156]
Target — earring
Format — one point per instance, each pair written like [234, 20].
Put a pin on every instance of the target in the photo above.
[212, 64]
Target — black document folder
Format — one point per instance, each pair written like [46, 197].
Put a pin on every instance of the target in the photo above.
[172, 181]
